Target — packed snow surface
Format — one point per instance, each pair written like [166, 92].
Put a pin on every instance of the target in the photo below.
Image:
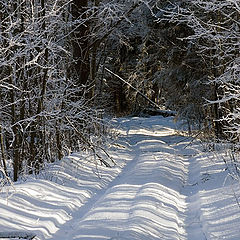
[163, 187]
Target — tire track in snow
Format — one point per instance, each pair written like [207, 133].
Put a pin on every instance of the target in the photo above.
[91, 203]
[193, 221]
[143, 202]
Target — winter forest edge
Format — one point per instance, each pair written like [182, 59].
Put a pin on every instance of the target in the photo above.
[66, 66]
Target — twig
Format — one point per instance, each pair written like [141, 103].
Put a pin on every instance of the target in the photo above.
[24, 235]
[90, 145]
[131, 86]
[194, 136]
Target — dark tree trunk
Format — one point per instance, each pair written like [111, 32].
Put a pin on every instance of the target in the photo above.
[80, 42]
[4, 163]
[218, 126]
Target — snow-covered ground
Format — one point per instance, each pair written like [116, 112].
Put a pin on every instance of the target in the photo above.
[163, 187]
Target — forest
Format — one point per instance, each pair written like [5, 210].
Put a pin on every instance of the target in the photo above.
[67, 66]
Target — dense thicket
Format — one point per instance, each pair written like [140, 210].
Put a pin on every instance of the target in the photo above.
[184, 55]
[214, 41]
[44, 112]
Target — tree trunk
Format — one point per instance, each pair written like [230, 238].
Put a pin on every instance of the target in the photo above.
[4, 162]
[218, 126]
[80, 42]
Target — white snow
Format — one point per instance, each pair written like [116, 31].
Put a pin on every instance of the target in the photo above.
[162, 188]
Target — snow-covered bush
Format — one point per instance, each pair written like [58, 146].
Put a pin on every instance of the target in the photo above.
[215, 39]
[42, 114]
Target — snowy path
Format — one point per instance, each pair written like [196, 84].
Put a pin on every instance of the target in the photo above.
[145, 200]
[160, 190]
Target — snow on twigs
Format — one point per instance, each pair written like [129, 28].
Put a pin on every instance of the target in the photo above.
[17, 235]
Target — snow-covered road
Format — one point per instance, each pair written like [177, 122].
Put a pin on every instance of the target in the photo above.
[144, 201]
[160, 190]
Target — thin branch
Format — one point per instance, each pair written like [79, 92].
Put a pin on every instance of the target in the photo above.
[131, 86]
[90, 145]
